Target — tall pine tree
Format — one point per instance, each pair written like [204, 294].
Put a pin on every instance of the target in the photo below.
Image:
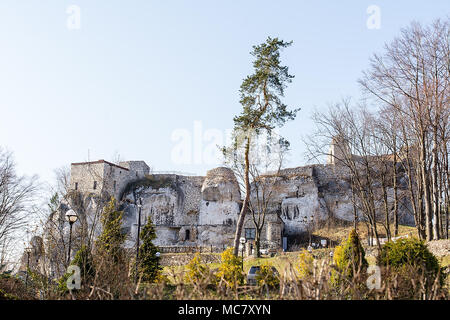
[262, 110]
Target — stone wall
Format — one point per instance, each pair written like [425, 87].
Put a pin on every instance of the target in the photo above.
[203, 211]
[100, 177]
[83, 176]
[294, 197]
[219, 207]
[139, 168]
[192, 212]
[185, 210]
[172, 203]
[178, 259]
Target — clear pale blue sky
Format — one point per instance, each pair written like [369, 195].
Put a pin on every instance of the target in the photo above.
[138, 70]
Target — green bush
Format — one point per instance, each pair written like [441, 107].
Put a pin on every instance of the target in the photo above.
[267, 277]
[196, 270]
[83, 259]
[230, 269]
[406, 253]
[7, 296]
[110, 241]
[349, 258]
[305, 266]
[62, 283]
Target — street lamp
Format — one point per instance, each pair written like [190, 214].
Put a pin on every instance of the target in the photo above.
[242, 241]
[71, 217]
[157, 254]
[137, 238]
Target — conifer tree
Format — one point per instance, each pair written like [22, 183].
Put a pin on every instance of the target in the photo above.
[262, 111]
[110, 242]
[149, 267]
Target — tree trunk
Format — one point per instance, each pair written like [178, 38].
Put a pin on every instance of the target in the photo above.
[386, 210]
[241, 220]
[434, 178]
[355, 212]
[395, 195]
[258, 244]
[426, 190]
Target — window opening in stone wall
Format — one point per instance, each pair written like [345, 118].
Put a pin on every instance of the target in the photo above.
[95, 185]
[250, 233]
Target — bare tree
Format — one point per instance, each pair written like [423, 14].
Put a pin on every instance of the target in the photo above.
[264, 172]
[116, 158]
[55, 232]
[359, 153]
[413, 76]
[267, 154]
[16, 202]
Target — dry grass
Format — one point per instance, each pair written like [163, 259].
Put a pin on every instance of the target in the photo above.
[394, 285]
[339, 231]
[318, 286]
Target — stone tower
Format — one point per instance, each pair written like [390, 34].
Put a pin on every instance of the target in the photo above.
[339, 150]
[99, 177]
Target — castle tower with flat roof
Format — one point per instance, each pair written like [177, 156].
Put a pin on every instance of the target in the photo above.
[100, 177]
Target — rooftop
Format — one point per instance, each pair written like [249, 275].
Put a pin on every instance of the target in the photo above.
[97, 162]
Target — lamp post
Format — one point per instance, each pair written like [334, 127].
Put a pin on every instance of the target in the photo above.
[137, 238]
[71, 217]
[242, 241]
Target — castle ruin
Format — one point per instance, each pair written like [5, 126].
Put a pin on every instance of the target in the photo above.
[192, 211]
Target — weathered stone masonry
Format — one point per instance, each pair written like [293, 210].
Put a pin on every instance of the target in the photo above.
[203, 211]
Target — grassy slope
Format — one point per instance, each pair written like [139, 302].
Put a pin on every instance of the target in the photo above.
[338, 233]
